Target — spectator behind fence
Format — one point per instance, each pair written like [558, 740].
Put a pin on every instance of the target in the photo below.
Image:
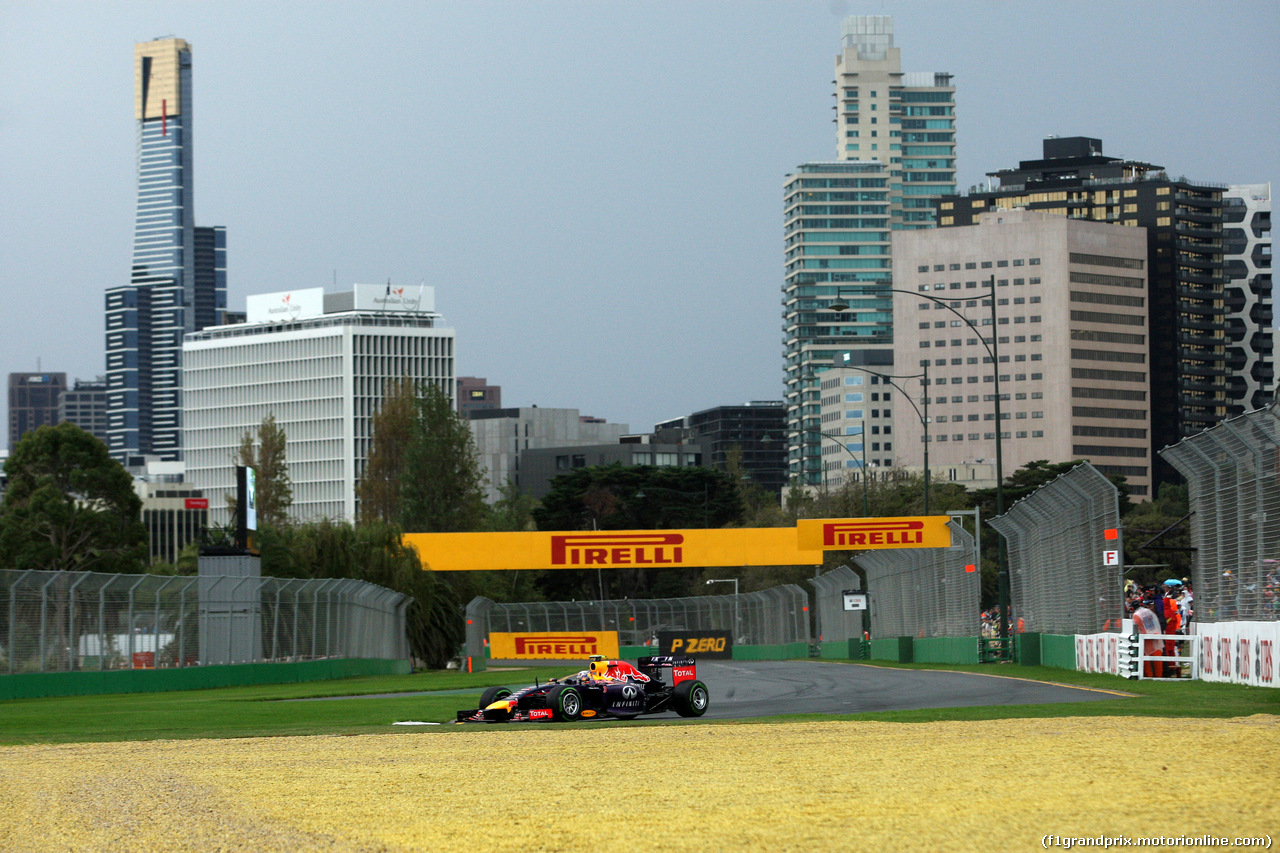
[1146, 622]
[1172, 625]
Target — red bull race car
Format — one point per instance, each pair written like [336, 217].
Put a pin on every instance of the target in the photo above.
[606, 689]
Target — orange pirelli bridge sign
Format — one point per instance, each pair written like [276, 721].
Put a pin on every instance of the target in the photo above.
[801, 545]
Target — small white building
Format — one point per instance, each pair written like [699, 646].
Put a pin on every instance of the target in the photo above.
[321, 364]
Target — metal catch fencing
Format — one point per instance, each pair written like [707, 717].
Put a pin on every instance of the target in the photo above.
[766, 617]
[1062, 577]
[925, 592]
[70, 621]
[835, 624]
[1233, 482]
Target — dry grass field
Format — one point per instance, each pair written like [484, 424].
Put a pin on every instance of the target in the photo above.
[839, 785]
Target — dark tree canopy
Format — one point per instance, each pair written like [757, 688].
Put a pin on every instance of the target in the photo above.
[69, 506]
[640, 497]
[1158, 534]
[634, 497]
[441, 484]
[378, 492]
[372, 552]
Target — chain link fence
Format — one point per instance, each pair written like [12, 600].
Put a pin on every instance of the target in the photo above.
[766, 617]
[835, 624]
[1061, 580]
[925, 592]
[1233, 482]
[69, 621]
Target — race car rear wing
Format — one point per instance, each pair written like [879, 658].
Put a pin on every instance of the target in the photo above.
[682, 668]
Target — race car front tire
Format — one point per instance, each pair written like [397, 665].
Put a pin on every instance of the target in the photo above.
[691, 698]
[565, 703]
[493, 694]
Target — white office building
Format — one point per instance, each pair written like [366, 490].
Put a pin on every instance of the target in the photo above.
[321, 364]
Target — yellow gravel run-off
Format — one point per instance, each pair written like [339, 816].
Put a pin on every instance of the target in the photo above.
[965, 786]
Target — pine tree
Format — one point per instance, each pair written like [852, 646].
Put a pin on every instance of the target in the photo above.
[441, 485]
[378, 491]
[274, 488]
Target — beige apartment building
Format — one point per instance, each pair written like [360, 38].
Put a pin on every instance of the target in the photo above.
[1070, 332]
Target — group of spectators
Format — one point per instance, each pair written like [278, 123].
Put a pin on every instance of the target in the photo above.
[991, 623]
[1163, 609]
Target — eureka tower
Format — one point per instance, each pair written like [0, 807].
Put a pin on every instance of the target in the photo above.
[178, 279]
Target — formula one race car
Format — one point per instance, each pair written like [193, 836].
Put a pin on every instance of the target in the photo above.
[607, 688]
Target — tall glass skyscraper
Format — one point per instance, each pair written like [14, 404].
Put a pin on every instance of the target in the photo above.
[895, 156]
[178, 280]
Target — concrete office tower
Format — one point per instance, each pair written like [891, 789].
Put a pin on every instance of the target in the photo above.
[33, 402]
[903, 120]
[178, 279]
[85, 405]
[751, 432]
[476, 394]
[322, 364]
[502, 435]
[1246, 231]
[896, 156]
[1186, 300]
[1071, 331]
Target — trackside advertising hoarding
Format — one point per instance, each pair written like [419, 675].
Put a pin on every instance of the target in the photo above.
[611, 549]
[558, 645]
[702, 644]
[866, 534]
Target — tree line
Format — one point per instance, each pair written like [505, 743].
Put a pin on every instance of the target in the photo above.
[69, 506]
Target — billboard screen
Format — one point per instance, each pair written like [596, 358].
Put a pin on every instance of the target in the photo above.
[395, 297]
[289, 305]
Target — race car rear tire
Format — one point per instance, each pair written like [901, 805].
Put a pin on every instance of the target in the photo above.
[493, 694]
[565, 703]
[691, 698]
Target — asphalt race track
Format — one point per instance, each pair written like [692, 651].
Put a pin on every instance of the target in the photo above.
[745, 689]
[741, 689]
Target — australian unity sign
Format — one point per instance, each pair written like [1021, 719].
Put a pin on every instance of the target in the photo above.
[801, 545]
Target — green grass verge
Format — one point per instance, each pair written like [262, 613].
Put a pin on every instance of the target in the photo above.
[255, 711]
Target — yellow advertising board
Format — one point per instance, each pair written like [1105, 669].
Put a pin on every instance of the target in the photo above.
[611, 549]
[865, 534]
[557, 645]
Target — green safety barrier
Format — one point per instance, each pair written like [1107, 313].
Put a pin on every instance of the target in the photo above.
[898, 649]
[1058, 650]
[38, 684]
[945, 650]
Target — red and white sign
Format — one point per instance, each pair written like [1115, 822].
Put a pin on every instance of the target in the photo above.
[289, 305]
[1110, 558]
[196, 503]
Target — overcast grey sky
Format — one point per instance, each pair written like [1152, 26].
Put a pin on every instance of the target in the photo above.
[594, 189]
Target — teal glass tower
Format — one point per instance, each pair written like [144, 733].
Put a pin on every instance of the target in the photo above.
[177, 283]
[895, 156]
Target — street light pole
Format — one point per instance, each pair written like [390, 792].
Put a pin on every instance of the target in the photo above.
[923, 418]
[845, 447]
[993, 349]
[866, 509]
[736, 614]
[1002, 558]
